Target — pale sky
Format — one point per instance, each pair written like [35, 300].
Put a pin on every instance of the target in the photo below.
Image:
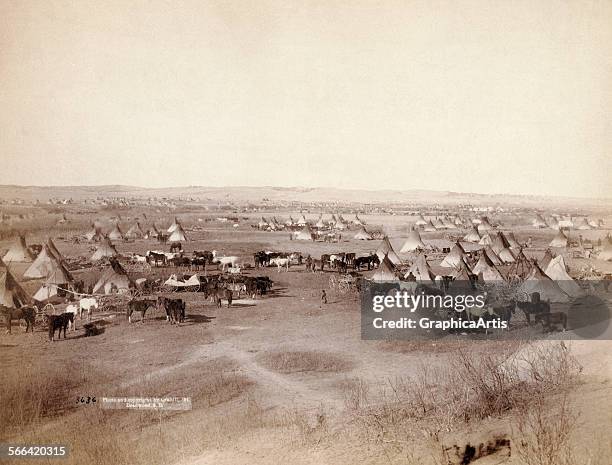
[471, 96]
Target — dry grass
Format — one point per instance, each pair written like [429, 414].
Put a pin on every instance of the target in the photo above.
[544, 433]
[36, 396]
[442, 400]
[39, 400]
[302, 361]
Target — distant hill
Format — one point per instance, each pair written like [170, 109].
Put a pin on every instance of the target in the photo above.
[242, 194]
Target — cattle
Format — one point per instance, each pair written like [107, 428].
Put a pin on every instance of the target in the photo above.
[87, 304]
[26, 313]
[59, 322]
[139, 306]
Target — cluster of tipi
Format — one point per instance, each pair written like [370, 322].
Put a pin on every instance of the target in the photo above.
[445, 222]
[499, 258]
[50, 266]
[336, 222]
[557, 222]
[175, 231]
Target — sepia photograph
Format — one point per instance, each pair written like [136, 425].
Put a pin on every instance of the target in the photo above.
[318, 232]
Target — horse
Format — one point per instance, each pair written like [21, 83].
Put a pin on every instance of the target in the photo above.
[176, 247]
[59, 322]
[505, 312]
[222, 293]
[206, 255]
[87, 304]
[176, 309]
[139, 306]
[551, 320]
[155, 258]
[74, 309]
[281, 263]
[236, 287]
[180, 261]
[224, 261]
[169, 306]
[25, 312]
[535, 308]
[369, 261]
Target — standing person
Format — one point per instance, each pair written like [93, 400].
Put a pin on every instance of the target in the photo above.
[323, 297]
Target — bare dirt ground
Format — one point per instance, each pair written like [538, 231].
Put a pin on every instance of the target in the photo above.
[286, 380]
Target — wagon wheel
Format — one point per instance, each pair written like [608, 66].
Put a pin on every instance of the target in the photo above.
[49, 308]
[333, 281]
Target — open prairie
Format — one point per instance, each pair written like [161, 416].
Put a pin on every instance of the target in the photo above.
[285, 377]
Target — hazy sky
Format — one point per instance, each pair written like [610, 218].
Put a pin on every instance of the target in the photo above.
[473, 96]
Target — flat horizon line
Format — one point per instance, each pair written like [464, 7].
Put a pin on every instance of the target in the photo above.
[447, 192]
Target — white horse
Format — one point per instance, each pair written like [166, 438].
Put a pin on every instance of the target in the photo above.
[72, 308]
[281, 262]
[224, 261]
[87, 304]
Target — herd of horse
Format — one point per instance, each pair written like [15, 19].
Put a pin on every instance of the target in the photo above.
[218, 291]
[503, 311]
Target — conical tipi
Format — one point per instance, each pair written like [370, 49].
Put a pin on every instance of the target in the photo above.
[12, 294]
[113, 280]
[421, 270]
[454, 257]
[385, 249]
[557, 272]
[105, 249]
[538, 282]
[472, 236]
[18, 252]
[487, 269]
[363, 235]
[385, 272]
[413, 242]
[178, 235]
[559, 241]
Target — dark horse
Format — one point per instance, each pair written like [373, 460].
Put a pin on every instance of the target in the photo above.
[139, 306]
[154, 258]
[59, 322]
[26, 313]
[174, 308]
[551, 320]
[222, 293]
[536, 308]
